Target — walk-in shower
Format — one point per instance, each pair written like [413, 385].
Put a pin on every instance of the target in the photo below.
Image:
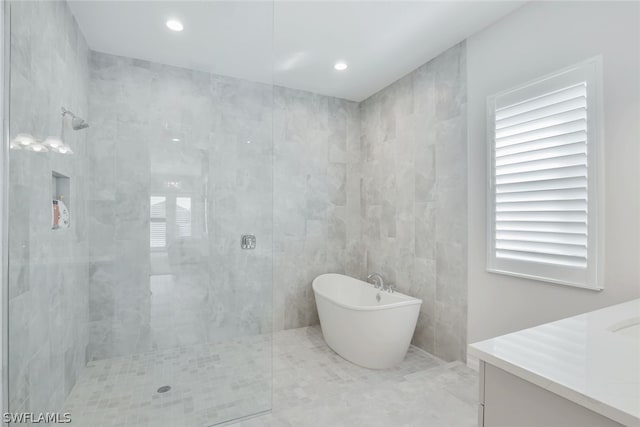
[132, 298]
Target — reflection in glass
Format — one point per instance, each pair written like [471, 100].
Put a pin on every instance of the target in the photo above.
[158, 222]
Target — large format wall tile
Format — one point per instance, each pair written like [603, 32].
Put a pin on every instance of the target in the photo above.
[316, 199]
[326, 185]
[414, 195]
[49, 271]
[278, 163]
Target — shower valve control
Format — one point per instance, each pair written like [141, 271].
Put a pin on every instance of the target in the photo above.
[248, 241]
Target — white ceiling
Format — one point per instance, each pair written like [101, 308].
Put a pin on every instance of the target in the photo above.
[289, 43]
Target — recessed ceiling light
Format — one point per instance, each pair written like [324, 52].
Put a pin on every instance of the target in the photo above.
[175, 25]
[340, 66]
[175, 139]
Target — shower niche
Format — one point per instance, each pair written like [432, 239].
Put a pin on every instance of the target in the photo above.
[60, 201]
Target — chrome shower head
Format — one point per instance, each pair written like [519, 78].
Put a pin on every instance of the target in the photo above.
[77, 123]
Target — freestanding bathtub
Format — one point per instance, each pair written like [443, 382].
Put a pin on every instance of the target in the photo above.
[370, 333]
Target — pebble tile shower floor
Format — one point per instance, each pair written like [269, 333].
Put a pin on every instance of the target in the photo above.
[312, 386]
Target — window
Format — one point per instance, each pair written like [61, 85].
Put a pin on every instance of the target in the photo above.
[183, 216]
[545, 178]
[158, 223]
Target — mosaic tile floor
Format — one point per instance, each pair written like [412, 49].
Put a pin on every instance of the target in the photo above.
[312, 386]
[209, 384]
[315, 387]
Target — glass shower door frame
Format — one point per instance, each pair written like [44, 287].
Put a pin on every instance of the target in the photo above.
[5, 46]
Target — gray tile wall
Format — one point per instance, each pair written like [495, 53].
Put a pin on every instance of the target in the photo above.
[353, 188]
[48, 289]
[241, 198]
[129, 150]
[328, 185]
[414, 168]
[171, 132]
[316, 199]
[302, 203]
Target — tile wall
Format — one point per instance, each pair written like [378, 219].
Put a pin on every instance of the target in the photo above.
[171, 132]
[48, 273]
[326, 185]
[414, 192]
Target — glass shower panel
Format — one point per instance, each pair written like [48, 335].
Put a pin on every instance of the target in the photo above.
[146, 306]
[48, 264]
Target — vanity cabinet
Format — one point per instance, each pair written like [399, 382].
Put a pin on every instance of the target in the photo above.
[508, 401]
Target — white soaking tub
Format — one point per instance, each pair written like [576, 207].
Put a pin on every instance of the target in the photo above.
[364, 330]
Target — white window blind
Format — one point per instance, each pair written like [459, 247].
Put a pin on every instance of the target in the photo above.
[158, 222]
[183, 216]
[543, 187]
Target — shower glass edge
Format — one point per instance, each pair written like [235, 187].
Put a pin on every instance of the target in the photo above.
[5, 46]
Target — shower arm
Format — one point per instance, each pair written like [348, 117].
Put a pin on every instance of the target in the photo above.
[66, 112]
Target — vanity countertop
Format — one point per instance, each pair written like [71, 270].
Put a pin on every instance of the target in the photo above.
[592, 359]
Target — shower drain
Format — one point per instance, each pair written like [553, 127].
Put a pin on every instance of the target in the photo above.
[164, 389]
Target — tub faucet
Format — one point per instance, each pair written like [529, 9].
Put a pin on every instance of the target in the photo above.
[376, 279]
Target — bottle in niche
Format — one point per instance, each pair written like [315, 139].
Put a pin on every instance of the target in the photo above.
[55, 214]
[60, 214]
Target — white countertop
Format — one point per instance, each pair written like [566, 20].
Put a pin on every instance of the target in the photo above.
[580, 358]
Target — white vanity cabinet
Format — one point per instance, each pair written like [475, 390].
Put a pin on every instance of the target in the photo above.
[508, 401]
[582, 371]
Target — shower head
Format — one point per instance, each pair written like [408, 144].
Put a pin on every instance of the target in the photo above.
[77, 123]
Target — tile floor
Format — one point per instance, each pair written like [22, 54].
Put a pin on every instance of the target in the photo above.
[209, 384]
[312, 386]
